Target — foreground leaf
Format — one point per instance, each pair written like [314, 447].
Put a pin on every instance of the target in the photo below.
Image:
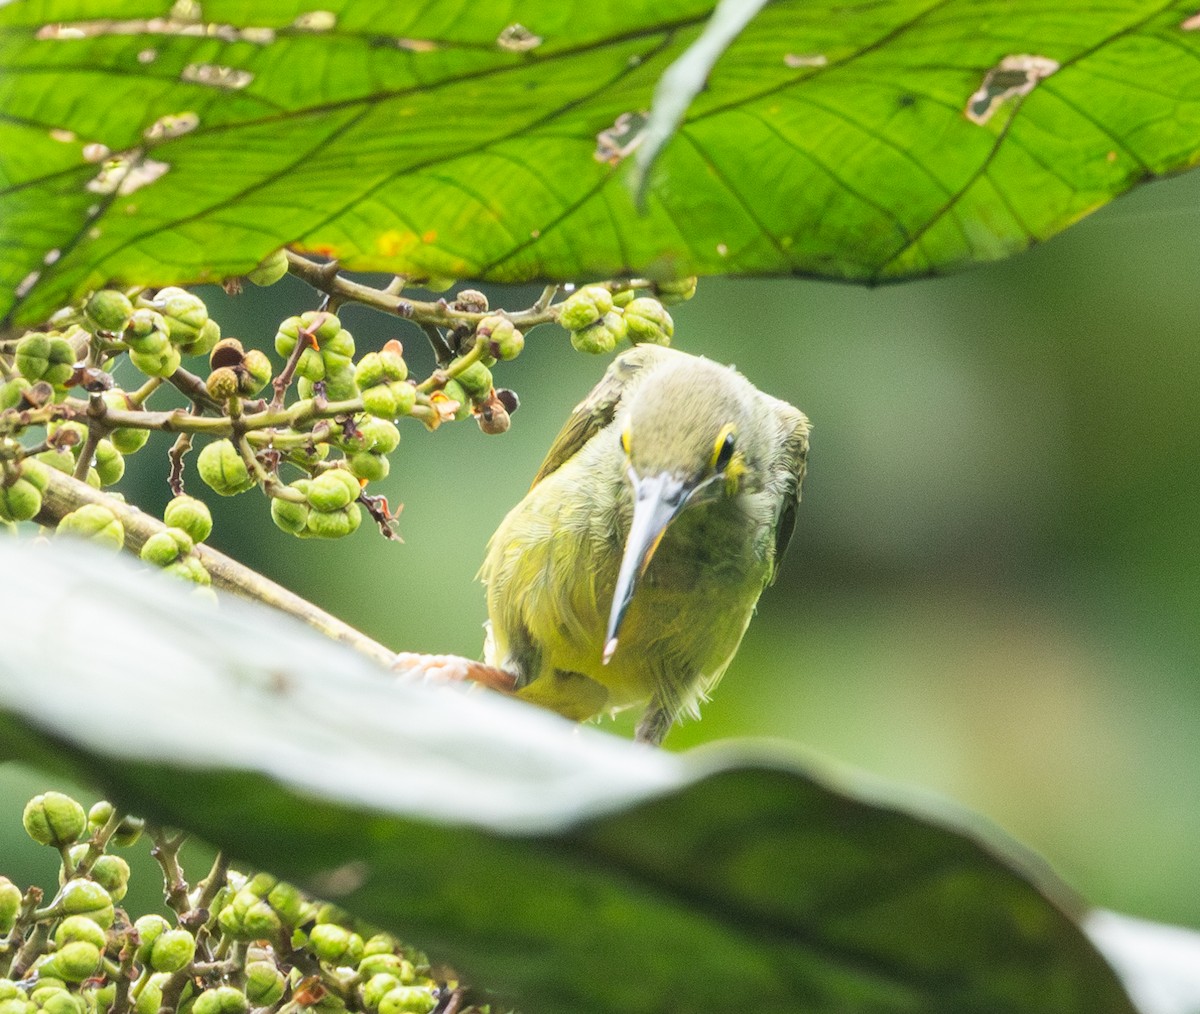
[567, 869]
[865, 142]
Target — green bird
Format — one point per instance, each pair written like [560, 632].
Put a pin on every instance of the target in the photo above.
[629, 572]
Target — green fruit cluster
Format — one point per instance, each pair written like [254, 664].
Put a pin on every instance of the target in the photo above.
[324, 509]
[598, 320]
[173, 549]
[232, 944]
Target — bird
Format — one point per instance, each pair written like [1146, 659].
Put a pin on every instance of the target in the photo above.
[629, 572]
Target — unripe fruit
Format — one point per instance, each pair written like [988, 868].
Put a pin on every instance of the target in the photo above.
[623, 298]
[204, 341]
[85, 897]
[585, 307]
[677, 290]
[386, 963]
[335, 944]
[10, 904]
[17, 1005]
[9, 990]
[380, 435]
[79, 927]
[20, 501]
[74, 962]
[99, 814]
[172, 951]
[58, 1001]
[379, 401]
[602, 336]
[12, 391]
[255, 373]
[184, 312]
[223, 470]
[48, 357]
[54, 818]
[109, 310]
[111, 873]
[338, 351]
[455, 392]
[35, 473]
[128, 832]
[264, 983]
[222, 1000]
[222, 384]
[189, 568]
[503, 340]
[60, 460]
[334, 524]
[332, 490]
[376, 986]
[270, 269]
[368, 466]
[157, 364]
[191, 515]
[127, 441]
[147, 332]
[149, 928]
[110, 463]
[150, 998]
[476, 380]
[648, 321]
[288, 516]
[339, 384]
[92, 521]
[407, 1000]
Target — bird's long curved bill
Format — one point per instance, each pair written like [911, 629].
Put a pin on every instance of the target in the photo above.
[656, 501]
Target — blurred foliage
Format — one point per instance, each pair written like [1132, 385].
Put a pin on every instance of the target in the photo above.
[993, 586]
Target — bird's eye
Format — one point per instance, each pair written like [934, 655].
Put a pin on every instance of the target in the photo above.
[723, 450]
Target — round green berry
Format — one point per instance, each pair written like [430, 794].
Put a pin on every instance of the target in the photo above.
[334, 524]
[109, 464]
[223, 470]
[10, 904]
[156, 364]
[86, 897]
[585, 307]
[222, 383]
[407, 1000]
[54, 818]
[264, 983]
[48, 357]
[289, 516]
[332, 490]
[79, 927]
[109, 310]
[602, 336]
[184, 312]
[20, 501]
[647, 320]
[75, 961]
[148, 928]
[99, 814]
[269, 270]
[255, 373]
[190, 514]
[58, 1001]
[457, 393]
[369, 467]
[476, 380]
[189, 568]
[221, 1000]
[172, 951]
[503, 340]
[12, 391]
[92, 521]
[676, 290]
[147, 331]
[205, 340]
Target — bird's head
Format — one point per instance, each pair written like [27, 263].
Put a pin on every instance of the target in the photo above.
[682, 436]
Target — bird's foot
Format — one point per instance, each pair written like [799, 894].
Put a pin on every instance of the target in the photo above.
[452, 669]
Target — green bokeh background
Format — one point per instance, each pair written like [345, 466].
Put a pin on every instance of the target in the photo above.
[995, 580]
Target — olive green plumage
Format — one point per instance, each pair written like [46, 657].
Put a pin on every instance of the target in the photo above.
[628, 573]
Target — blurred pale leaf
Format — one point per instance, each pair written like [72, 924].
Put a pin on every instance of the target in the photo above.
[870, 142]
[567, 869]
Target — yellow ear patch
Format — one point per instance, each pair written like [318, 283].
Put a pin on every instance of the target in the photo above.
[723, 449]
[625, 444]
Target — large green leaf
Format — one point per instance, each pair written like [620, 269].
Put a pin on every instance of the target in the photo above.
[569, 870]
[861, 141]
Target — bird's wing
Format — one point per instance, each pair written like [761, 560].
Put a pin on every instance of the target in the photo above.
[599, 408]
[792, 463]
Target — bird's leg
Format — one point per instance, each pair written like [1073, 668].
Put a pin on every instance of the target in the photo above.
[453, 669]
[655, 724]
